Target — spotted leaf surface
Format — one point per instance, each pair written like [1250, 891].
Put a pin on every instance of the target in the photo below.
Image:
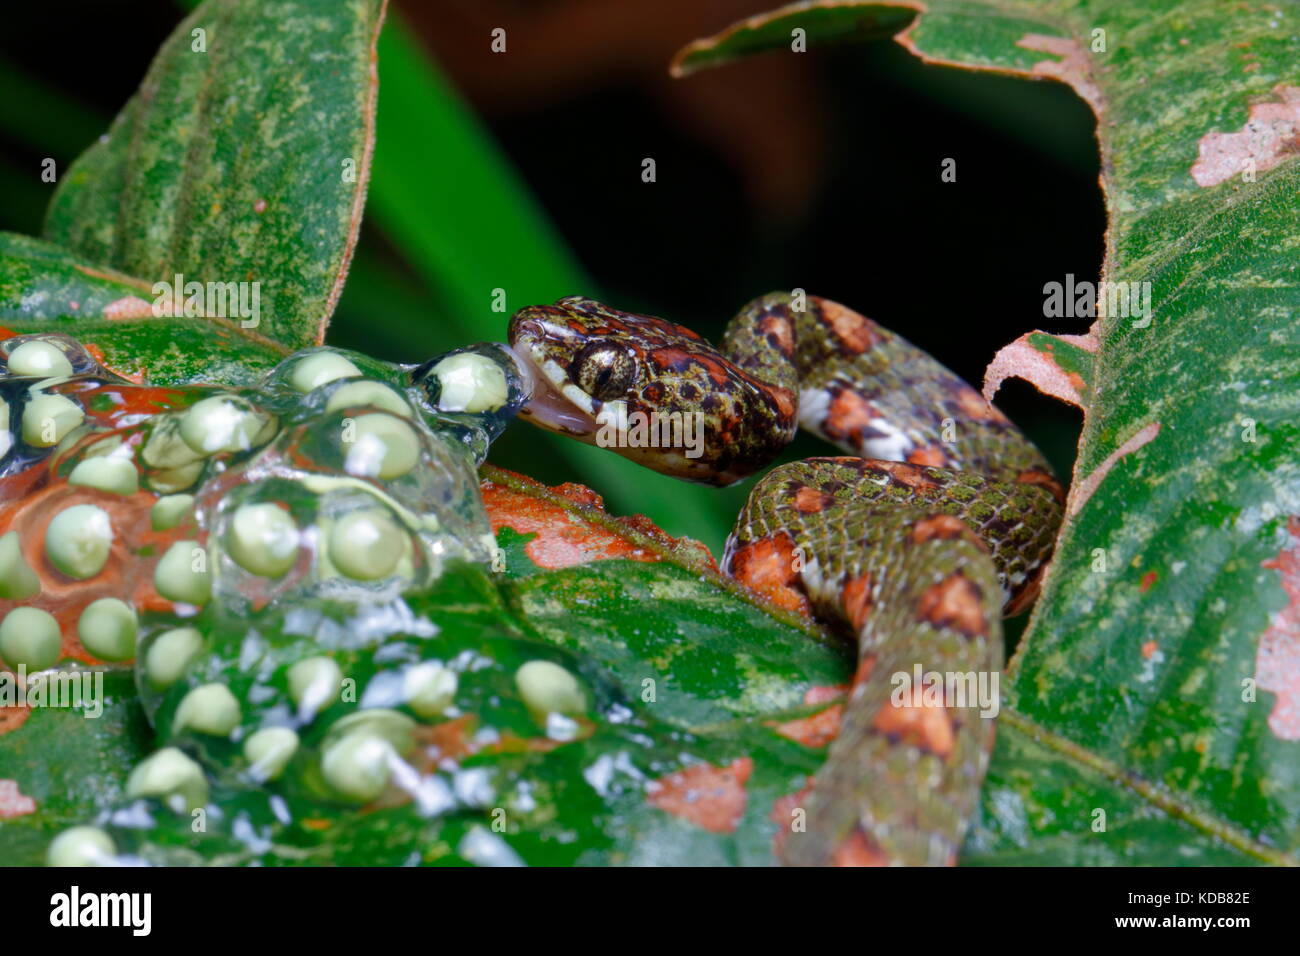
[1151, 715]
[243, 158]
[45, 287]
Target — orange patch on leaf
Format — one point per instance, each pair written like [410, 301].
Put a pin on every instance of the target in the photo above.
[563, 539]
[1147, 581]
[954, 602]
[1084, 488]
[783, 815]
[451, 738]
[98, 355]
[1037, 365]
[125, 575]
[767, 566]
[815, 730]
[12, 801]
[580, 494]
[11, 718]
[819, 729]
[128, 307]
[1271, 135]
[1277, 660]
[1074, 66]
[110, 404]
[823, 693]
[712, 798]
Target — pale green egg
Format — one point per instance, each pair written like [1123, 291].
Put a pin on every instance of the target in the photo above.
[366, 545]
[39, 359]
[378, 445]
[17, 579]
[81, 846]
[107, 629]
[262, 539]
[546, 687]
[78, 540]
[169, 655]
[115, 475]
[183, 575]
[171, 776]
[319, 369]
[209, 709]
[48, 418]
[269, 750]
[31, 638]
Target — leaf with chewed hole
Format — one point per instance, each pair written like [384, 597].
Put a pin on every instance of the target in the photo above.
[1056, 365]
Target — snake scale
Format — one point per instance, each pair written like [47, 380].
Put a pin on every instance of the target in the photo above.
[938, 521]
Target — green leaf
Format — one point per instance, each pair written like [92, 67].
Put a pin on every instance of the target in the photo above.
[42, 282]
[45, 288]
[1156, 682]
[69, 762]
[244, 157]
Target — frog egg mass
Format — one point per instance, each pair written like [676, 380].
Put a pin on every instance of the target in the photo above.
[245, 553]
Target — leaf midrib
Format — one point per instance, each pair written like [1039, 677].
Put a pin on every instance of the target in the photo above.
[1154, 794]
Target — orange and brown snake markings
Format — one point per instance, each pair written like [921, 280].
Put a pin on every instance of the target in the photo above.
[937, 520]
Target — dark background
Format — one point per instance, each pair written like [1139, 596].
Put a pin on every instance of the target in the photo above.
[820, 171]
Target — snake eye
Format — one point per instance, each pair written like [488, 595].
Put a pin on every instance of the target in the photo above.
[603, 371]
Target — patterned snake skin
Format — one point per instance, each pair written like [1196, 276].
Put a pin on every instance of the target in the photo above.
[940, 522]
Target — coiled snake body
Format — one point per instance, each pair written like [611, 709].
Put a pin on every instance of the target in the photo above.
[942, 519]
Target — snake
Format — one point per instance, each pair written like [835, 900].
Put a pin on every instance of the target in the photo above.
[936, 522]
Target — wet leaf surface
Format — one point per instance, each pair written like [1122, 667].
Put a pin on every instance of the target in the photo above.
[1156, 684]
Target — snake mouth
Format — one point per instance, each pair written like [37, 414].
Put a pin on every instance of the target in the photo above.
[549, 406]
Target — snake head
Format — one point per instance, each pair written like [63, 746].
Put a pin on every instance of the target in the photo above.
[648, 389]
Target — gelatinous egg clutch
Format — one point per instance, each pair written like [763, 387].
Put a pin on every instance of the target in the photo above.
[294, 569]
[337, 477]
